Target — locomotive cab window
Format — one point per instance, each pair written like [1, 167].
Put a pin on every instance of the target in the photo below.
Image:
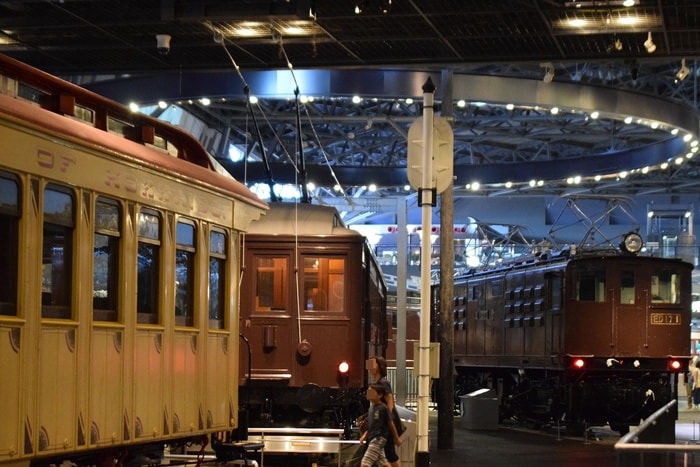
[270, 283]
[627, 288]
[324, 283]
[217, 279]
[590, 285]
[57, 249]
[105, 276]
[184, 274]
[9, 238]
[147, 291]
[665, 286]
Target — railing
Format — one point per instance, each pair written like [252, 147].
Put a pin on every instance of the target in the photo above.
[653, 443]
[411, 395]
[300, 441]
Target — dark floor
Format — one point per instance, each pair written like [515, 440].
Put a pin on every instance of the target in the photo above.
[518, 446]
[522, 447]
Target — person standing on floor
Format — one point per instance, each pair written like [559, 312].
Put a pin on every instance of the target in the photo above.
[696, 384]
[378, 421]
[377, 369]
[689, 383]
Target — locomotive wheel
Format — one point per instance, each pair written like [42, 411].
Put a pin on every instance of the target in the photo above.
[311, 398]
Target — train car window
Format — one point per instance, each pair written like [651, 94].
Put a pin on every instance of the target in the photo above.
[665, 286]
[554, 288]
[184, 274]
[105, 276]
[9, 239]
[148, 267]
[590, 285]
[217, 279]
[324, 283]
[57, 253]
[271, 283]
[496, 289]
[627, 288]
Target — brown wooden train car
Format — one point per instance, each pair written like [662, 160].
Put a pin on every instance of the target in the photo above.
[313, 298]
[586, 340]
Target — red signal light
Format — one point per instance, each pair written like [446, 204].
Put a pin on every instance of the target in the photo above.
[674, 365]
[343, 375]
[579, 363]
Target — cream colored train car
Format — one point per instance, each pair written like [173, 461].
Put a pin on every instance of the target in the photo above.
[119, 265]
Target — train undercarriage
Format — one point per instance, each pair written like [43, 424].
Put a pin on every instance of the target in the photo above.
[310, 406]
[577, 401]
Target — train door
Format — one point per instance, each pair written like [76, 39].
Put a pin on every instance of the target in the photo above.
[626, 284]
[266, 312]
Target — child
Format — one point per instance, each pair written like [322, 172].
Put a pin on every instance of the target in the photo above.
[378, 428]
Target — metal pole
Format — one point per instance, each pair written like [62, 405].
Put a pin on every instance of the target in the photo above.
[401, 273]
[426, 199]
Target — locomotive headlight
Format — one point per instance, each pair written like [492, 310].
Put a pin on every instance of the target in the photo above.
[674, 365]
[632, 243]
[343, 374]
[636, 363]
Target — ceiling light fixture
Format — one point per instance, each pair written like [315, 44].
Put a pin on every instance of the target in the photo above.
[683, 72]
[386, 6]
[649, 44]
[548, 71]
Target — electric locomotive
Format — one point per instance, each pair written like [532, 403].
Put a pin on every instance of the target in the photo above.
[584, 339]
[313, 309]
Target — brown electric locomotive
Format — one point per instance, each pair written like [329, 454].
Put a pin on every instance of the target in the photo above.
[582, 339]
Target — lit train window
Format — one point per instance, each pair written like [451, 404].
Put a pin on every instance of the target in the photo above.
[105, 276]
[627, 288]
[57, 254]
[590, 285]
[184, 274]
[9, 239]
[271, 283]
[148, 267]
[217, 279]
[665, 286]
[324, 283]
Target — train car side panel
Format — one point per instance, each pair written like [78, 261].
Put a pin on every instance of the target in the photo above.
[106, 409]
[10, 364]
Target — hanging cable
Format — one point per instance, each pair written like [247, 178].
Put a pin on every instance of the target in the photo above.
[246, 91]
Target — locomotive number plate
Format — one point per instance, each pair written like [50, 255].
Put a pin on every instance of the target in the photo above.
[673, 319]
